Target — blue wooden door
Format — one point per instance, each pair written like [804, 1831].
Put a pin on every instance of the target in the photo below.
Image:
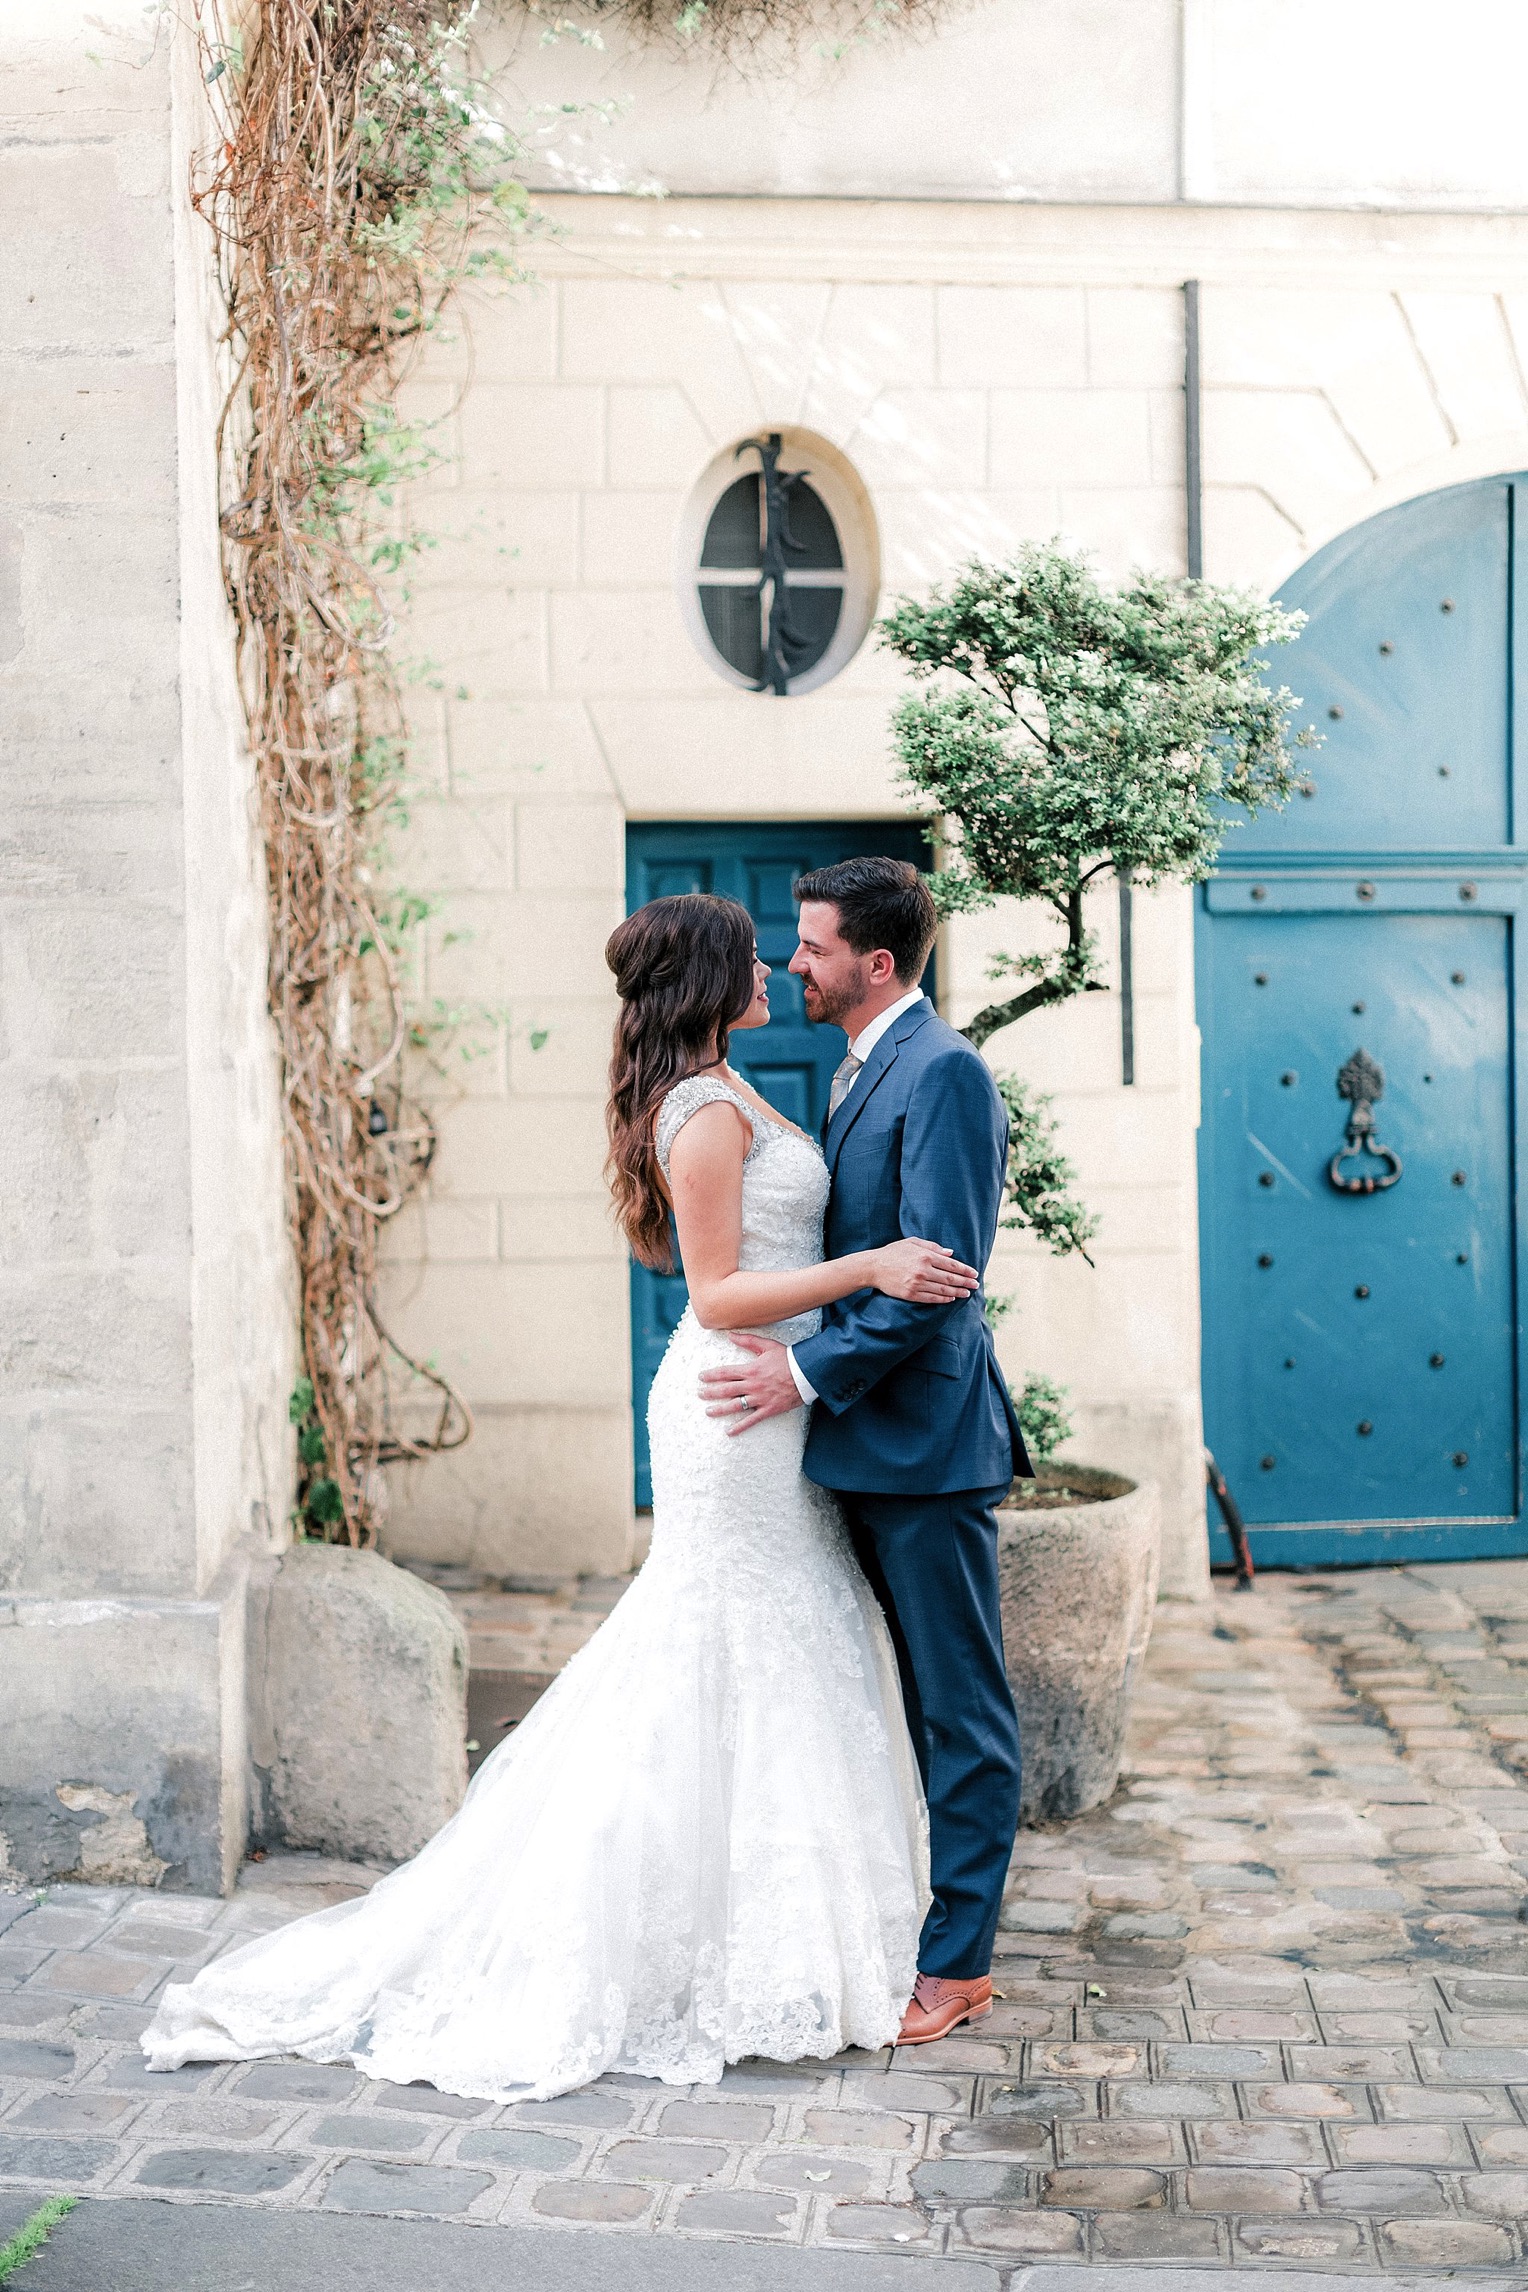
[790, 1062]
[1358, 995]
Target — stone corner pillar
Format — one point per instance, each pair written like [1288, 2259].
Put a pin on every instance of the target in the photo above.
[145, 1308]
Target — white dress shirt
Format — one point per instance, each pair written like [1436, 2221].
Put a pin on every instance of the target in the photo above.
[861, 1047]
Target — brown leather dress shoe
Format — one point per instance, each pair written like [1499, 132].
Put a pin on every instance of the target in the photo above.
[940, 2004]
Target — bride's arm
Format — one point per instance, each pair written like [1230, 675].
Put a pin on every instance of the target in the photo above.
[706, 1188]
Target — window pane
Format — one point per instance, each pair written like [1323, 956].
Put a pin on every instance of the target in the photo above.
[732, 537]
[732, 617]
[813, 535]
[813, 618]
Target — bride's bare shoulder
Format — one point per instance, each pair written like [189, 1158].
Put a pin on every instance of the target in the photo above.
[697, 1095]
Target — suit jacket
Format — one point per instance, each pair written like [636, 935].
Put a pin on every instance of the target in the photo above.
[910, 1397]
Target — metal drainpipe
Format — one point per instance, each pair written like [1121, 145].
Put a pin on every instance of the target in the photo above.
[1193, 466]
[1193, 518]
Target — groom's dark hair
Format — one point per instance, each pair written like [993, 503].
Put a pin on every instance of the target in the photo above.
[881, 903]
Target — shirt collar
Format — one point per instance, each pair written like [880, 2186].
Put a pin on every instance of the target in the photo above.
[865, 1041]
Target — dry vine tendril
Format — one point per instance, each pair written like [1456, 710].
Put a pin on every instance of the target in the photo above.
[357, 171]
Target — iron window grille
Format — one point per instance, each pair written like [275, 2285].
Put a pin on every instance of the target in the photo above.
[772, 575]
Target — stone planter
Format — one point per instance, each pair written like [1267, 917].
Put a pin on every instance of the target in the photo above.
[1077, 1556]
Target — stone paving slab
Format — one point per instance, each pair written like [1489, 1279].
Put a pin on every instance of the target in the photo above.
[1267, 2010]
[105, 2247]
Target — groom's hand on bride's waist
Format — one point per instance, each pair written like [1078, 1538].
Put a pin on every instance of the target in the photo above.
[753, 1390]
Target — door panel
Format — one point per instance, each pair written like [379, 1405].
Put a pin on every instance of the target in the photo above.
[1403, 669]
[1362, 1350]
[1390, 1310]
[790, 1062]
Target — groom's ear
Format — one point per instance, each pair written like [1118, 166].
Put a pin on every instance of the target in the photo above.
[882, 965]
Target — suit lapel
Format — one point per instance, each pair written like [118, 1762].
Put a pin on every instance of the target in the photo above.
[874, 1071]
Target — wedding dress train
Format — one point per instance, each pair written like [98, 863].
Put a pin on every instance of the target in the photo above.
[707, 1841]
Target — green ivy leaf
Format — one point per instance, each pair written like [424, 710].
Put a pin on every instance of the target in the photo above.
[324, 1502]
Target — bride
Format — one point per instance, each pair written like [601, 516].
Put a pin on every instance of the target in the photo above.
[708, 1839]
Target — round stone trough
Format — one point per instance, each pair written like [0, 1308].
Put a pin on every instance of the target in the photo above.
[1077, 1553]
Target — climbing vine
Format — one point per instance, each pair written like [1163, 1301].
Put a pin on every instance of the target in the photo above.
[360, 176]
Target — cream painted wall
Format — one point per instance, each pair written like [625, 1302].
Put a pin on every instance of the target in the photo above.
[1298, 103]
[993, 374]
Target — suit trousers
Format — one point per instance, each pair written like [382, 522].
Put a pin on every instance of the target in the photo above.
[932, 1563]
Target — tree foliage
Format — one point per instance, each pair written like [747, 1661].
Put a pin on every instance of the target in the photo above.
[1073, 731]
[1068, 732]
[1037, 1194]
[1044, 1418]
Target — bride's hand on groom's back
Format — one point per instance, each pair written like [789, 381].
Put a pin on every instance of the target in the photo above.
[921, 1273]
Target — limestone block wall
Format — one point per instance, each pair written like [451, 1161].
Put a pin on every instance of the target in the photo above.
[144, 1312]
[992, 374]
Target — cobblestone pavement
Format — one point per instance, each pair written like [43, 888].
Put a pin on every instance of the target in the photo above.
[525, 1624]
[520, 1633]
[1268, 2009]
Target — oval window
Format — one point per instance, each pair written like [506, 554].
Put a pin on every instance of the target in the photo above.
[780, 564]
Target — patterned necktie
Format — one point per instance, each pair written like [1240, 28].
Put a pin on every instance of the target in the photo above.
[847, 1070]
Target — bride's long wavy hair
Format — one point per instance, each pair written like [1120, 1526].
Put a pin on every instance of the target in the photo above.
[684, 972]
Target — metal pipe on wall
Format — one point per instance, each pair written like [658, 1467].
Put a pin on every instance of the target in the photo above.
[1193, 537]
[1193, 464]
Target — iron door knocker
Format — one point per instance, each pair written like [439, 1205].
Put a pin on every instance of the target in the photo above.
[1361, 1082]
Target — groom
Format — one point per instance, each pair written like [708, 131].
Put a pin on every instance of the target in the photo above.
[913, 1427]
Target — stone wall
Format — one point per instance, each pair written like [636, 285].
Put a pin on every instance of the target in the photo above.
[993, 374]
[145, 1355]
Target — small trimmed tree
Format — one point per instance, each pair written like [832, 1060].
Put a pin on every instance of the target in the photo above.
[1070, 732]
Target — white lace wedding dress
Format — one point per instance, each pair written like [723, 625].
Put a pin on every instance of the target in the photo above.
[707, 1841]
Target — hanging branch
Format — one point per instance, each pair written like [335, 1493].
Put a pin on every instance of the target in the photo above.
[357, 169]
[753, 35]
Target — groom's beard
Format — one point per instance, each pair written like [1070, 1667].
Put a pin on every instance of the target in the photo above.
[830, 1006]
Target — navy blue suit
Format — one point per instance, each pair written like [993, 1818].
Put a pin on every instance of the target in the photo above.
[914, 1430]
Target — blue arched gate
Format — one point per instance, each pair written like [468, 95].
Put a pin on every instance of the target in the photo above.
[1357, 979]
[790, 1062]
